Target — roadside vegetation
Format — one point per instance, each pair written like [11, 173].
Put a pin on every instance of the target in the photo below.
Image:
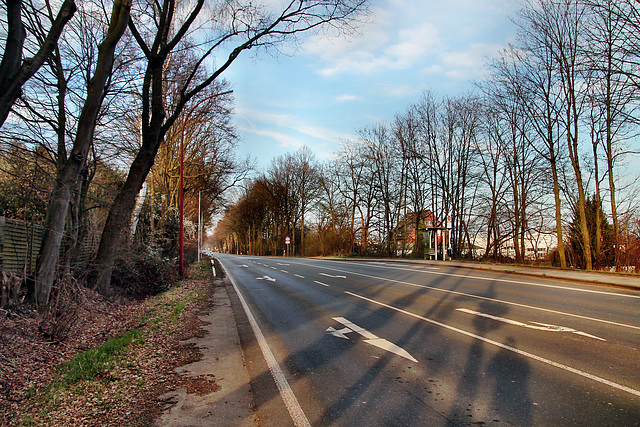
[118, 379]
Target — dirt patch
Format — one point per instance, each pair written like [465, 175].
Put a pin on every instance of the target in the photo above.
[200, 385]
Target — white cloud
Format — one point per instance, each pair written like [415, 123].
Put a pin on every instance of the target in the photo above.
[347, 97]
[290, 131]
[397, 90]
[413, 44]
[284, 140]
[469, 64]
[380, 48]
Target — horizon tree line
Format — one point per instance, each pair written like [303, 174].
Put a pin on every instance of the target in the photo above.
[551, 124]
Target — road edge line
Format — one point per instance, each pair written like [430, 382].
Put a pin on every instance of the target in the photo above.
[291, 402]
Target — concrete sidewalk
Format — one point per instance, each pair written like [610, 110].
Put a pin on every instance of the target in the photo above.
[231, 402]
[593, 277]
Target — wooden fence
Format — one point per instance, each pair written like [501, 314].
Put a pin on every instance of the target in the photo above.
[20, 244]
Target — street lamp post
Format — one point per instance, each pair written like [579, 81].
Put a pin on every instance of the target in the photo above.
[181, 194]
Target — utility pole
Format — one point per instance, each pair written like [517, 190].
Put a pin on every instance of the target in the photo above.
[181, 194]
[199, 227]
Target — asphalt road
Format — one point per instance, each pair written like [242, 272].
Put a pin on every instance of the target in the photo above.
[365, 343]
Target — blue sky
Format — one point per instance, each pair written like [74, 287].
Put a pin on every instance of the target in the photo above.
[329, 87]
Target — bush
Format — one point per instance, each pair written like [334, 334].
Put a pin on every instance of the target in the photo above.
[142, 273]
[67, 299]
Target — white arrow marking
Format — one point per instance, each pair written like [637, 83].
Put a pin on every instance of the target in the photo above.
[370, 338]
[536, 325]
[244, 265]
[266, 278]
[329, 275]
[389, 346]
[339, 333]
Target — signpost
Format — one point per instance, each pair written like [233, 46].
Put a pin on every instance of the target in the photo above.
[287, 242]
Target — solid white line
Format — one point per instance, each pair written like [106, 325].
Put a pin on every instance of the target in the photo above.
[330, 275]
[504, 346]
[536, 325]
[320, 283]
[291, 402]
[517, 282]
[517, 304]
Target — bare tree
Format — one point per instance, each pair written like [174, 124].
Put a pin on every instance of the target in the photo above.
[406, 130]
[491, 160]
[16, 70]
[161, 30]
[381, 155]
[333, 210]
[306, 185]
[533, 66]
[611, 92]
[351, 182]
[69, 170]
[561, 21]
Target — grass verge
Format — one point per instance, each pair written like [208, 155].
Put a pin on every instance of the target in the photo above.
[118, 382]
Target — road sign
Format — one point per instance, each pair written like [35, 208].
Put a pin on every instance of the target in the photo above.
[287, 240]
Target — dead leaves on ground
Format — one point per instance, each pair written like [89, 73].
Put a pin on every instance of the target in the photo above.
[127, 394]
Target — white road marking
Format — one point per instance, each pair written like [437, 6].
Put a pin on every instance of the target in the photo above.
[243, 265]
[355, 328]
[546, 310]
[370, 338]
[320, 283]
[335, 277]
[285, 271]
[536, 325]
[297, 275]
[393, 265]
[339, 333]
[291, 402]
[505, 347]
[273, 268]
[517, 282]
[266, 278]
[281, 263]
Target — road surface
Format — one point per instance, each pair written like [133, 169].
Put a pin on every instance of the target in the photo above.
[365, 343]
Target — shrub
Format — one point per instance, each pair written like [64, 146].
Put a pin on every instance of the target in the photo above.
[142, 273]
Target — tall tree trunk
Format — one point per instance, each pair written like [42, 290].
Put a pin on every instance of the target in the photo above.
[67, 175]
[597, 255]
[120, 213]
[609, 154]
[556, 196]
[584, 230]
